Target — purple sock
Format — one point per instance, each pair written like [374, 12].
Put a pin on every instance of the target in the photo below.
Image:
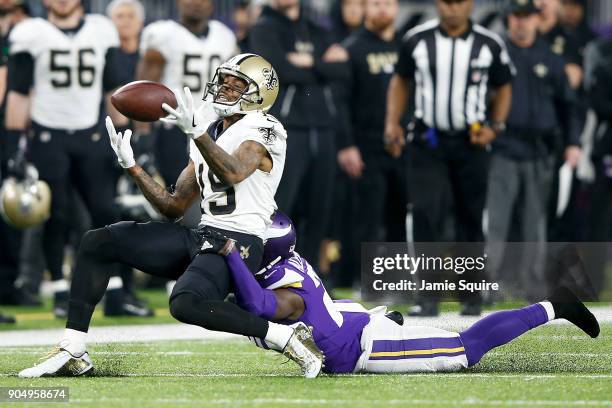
[500, 328]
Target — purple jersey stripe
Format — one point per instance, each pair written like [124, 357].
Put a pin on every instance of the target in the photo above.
[406, 357]
[429, 343]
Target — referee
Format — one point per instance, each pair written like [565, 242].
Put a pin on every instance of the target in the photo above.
[457, 75]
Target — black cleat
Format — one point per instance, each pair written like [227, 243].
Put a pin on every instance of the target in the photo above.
[60, 304]
[396, 317]
[567, 306]
[118, 303]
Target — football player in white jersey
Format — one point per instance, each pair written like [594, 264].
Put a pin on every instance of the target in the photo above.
[236, 163]
[183, 54]
[57, 68]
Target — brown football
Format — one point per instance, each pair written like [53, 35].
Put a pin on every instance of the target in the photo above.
[142, 100]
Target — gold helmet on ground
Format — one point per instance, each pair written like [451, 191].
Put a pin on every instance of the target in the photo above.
[260, 93]
[25, 203]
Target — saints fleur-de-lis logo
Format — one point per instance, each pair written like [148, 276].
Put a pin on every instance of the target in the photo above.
[244, 252]
[271, 78]
[268, 135]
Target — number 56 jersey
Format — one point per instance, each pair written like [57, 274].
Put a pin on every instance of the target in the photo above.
[68, 69]
[247, 206]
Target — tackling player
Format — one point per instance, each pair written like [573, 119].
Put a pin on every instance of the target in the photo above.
[354, 339]
[237, 154]
[182, 54]
[57, 68]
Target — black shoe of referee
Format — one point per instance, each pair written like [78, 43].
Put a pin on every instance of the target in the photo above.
[6, 319]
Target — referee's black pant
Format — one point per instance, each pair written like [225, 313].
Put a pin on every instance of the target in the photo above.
[451, 176]
[82, 160]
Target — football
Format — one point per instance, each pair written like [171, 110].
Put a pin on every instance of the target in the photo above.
[142, 100]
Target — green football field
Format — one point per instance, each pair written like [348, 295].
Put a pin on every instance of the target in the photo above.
[552, 366]
[555, 365]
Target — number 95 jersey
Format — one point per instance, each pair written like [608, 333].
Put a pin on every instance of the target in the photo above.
[247, 206]
[68, 69]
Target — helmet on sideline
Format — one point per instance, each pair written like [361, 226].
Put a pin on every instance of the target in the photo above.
[25, 203]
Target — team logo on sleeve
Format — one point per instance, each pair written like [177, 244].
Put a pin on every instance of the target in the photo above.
[271, 78]
[268, 135]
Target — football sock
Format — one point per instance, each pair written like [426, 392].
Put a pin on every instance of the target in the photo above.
[500, 328]
[566, 305]
[74, 342]
[278, 335]
[217, 315]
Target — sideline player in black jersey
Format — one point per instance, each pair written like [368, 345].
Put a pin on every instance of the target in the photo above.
[58, 66]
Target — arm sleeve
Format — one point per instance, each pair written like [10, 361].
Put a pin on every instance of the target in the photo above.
[601, 91]
[154, 36]
[567, 106]
[249, 295]
[345, 97]
[501, 70]
[20, 73]
[328, 71]
[406, 66]
[266, 43]
[267, 131]
[112, 76]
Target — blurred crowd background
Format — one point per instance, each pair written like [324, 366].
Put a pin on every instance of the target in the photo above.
[342, 185]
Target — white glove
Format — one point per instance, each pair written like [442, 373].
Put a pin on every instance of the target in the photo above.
[194, 123]
[121, 145]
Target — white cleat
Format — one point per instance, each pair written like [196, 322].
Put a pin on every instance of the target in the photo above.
[302, 349]
[60, 363]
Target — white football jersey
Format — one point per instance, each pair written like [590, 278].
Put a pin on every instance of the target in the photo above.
[68, 69]
[191, 60]
[248, 206]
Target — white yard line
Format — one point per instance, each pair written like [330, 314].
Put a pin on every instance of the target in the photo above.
[336, 402]
[114, 334]
[465, 375]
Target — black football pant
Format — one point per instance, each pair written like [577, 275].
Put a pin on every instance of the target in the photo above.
[82, 160]
[305, 192]
[169, 251]
[453, 175]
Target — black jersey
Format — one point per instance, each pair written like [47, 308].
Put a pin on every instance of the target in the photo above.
[372, 64]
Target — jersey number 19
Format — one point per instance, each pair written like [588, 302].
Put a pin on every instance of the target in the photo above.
[216, 187]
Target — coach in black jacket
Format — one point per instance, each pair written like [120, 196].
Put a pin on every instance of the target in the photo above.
[306, 64]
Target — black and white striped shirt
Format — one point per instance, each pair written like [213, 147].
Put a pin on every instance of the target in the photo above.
[452, 75]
